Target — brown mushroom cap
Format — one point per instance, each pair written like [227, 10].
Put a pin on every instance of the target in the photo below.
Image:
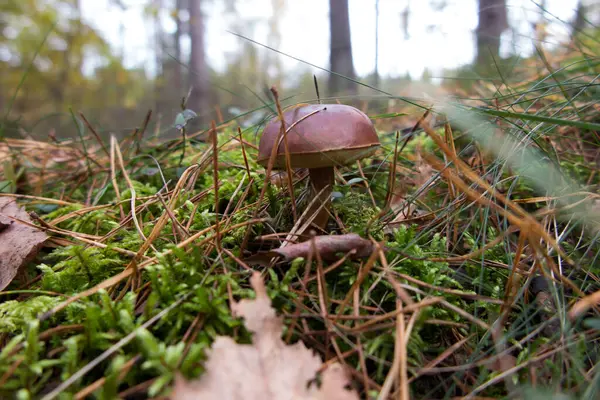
[335, 135]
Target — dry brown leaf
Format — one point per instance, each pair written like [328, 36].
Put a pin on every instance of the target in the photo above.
[424, 171]
[19, 243]
[266, 369]
[583, 305]
[328, 246]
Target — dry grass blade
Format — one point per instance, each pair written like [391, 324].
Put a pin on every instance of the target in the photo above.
[130, 271]
[521, 219]
[288, 165]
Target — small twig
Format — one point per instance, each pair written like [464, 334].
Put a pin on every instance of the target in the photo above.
[91, 129]
[241, 140]
[288, 166]
[392, 178]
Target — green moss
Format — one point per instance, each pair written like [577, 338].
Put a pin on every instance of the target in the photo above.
[358, 214]
[14, 315]
[76, 268]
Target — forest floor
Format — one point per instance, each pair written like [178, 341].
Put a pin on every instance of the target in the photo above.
[460, 260]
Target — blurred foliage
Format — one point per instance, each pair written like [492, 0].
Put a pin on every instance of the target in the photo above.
[46, 47]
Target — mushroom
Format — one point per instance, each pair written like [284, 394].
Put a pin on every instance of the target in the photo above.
[319, 137]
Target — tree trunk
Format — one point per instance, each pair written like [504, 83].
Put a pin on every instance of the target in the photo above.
[580, 17]
[493, 20]
[199, 100]
[177, 70]
[159, 58]
[340, 54]
[376, 72]
[273, 60]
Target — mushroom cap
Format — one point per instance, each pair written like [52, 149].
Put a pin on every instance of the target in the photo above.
[334, 134]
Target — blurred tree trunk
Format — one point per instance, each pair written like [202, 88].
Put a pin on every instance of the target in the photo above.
[340, 50]
[159, 57]
[405, 17]
[376, 72]
[199, 99]
[493, 20]
[273, 60]
[580, 18]
[178, 71]
[71, 60]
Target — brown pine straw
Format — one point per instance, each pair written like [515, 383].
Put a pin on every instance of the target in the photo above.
[359, 346]
[522, 219]
[37, 199]
[113, 175]
[399, 371]
[241, 140]
[359, 280]
[452, 193]
[133, 265]
[74, 235]
[524, 223]
[117, 150]
[129, 271]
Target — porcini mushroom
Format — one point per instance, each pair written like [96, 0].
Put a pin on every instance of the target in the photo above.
[319, 138]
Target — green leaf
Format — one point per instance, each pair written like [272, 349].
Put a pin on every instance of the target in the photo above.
[592, 323]
[355, 180]
[540, 118]
[148, 342]
[159, 384]
[183, 117]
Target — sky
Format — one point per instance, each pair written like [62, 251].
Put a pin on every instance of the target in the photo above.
[436, 39]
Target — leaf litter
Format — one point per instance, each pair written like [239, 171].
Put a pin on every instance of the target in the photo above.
[266, 369]
[19, 242]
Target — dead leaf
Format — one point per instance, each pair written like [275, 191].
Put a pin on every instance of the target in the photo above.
[266, 369]
[583, 305]
[328, 246]
[19, 243]
[423, 171]
[503, 363]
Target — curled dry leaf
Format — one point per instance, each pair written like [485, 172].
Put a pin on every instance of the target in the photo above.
[266, 369]
[19, 242]
[583, 305]
[328, 247]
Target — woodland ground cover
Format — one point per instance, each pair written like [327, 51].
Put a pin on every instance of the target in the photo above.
[480, 275]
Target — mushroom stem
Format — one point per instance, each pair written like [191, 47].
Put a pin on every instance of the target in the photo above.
[321, 178]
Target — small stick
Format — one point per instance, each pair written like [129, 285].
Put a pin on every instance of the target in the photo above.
[288, 166]
[244, 151]
[142, 131]
[91, 129]
[362, 175]
[219, 115]
[317, 89]
[392, 181]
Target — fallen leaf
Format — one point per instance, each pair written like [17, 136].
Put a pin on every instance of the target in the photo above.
[328, 246]
[19, 243]
[423, 171]
[503, 363]
[266, 369]
[583, 305]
